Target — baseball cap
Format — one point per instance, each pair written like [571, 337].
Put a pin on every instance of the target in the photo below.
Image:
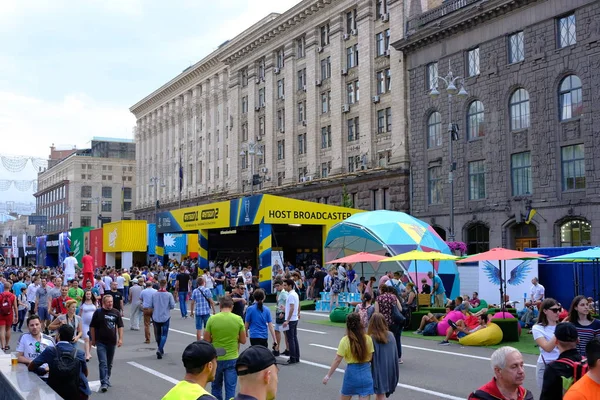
[566, 332]
[255, 359]
[135, 280]
[200, 353]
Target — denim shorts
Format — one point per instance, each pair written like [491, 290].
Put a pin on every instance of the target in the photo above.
[43, 313]
[201, 321]
[461, 335]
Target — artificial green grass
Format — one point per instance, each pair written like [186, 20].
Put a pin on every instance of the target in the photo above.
[525, 345]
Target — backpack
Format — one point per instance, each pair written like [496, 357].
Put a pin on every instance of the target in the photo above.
[365, 314]
[580, 368]
[64, 373]
[430, 329]
[5, 305]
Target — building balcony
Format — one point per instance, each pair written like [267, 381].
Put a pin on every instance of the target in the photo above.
[447, 7]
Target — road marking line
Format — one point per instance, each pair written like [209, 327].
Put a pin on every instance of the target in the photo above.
[312, 314]
[402, 385]
[154, 372]
[425, 349]
[308, 330]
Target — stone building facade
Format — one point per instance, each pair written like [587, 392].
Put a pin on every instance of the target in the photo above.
[88, 187]
[300, 104]
[529, 128]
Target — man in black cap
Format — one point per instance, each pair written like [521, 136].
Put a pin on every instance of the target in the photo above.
[564, 368]
[200, 362]
[257, 373]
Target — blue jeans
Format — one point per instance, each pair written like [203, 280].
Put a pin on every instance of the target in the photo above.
[225, 372]
[106, 353]
[397, 331]
[126, 294]
[182, 303]
[220, 291]
[161, 331]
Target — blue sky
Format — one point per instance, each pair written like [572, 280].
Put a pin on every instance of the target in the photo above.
[70, 69]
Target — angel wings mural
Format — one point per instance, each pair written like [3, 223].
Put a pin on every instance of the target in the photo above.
[517, 274]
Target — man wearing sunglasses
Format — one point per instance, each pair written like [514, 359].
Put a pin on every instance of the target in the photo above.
[239, 302]
[33, 343]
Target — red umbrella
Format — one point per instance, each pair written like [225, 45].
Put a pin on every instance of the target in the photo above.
[358, 258]
[501, 254]
[361, 258]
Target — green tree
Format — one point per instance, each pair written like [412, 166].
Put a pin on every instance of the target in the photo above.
[346, 199]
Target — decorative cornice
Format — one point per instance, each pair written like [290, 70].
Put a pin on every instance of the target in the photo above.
[441, 22]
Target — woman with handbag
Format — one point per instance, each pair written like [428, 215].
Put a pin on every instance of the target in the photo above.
[388, 304]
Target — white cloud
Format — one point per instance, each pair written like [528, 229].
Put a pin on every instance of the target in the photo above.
[30, 125]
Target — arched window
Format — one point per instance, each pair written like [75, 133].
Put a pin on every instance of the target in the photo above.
[519, 110]
[475, 120]
[576, 232]
[434, 130]
[478, 239]
[569, 97]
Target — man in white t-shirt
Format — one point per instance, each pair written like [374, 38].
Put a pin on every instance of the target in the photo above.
[69, 267]
[33, 343]
[31, 293]
[292, 314]
[396, 283]
[341, 271]
[537, 293]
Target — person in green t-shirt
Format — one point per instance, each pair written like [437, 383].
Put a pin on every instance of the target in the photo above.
[225, 330]
[76, 293]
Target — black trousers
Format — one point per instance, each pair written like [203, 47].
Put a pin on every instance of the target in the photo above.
[259, 342]
[292, 335]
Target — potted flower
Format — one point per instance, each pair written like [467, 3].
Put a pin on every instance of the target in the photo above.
[458, 248]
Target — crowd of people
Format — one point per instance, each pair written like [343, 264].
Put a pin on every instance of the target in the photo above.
[60, 306]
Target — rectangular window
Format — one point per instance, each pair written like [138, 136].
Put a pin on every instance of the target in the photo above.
[302, 171]
[388, 119]
[281, 88]
[107, 192]
[261, 68]
[326, 137]
[384, 158]
[381, 82]
[85, 221]
[280, 178]
[280, 58]
[86, 205]
[435, 185]
[351, 21]
[324, 35]
[352, 56]
[244, 104]
[281, 149]
[244, 161]
[567, 33]
[281, 120]
[325, 97]
[86, 192]
[325, 168]
[381, 7]
[261, 126]
[302, 143]
[245, 132]
[301, 79]
[573, 167]
[386, 40]
[388, 79]
[477, 180]
[353, 129]
[301, 108]
[516, 47]
[244, 76]
[380, 121]
[374, 199]
[127, 191]
[520, 170]
[473, 62]
[380, 44]
[350, 93]
[261, 97]
[301, 47]
[107, 206]
[326, 68]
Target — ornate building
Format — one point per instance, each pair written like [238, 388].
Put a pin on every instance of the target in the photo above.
[527, 171]
[301, 104]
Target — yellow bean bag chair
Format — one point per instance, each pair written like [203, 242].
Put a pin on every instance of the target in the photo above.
[483, 337]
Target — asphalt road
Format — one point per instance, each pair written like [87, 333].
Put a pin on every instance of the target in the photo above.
[429, 371]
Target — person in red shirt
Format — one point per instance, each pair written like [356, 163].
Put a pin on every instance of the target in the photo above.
[59, 304]
[509, 375]
[88, 267]
[8, 315]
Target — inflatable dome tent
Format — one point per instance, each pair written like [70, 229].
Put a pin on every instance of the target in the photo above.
[391, 232]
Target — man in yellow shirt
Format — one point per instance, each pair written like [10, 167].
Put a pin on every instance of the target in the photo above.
[200, 362]
[126, 285]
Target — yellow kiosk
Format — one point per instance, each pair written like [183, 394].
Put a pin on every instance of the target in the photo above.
[263, 221]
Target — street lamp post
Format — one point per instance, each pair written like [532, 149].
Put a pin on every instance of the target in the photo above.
[450, 82]
[253, 150]
[154, 182]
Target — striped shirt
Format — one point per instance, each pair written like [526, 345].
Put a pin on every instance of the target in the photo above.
[586, 334]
